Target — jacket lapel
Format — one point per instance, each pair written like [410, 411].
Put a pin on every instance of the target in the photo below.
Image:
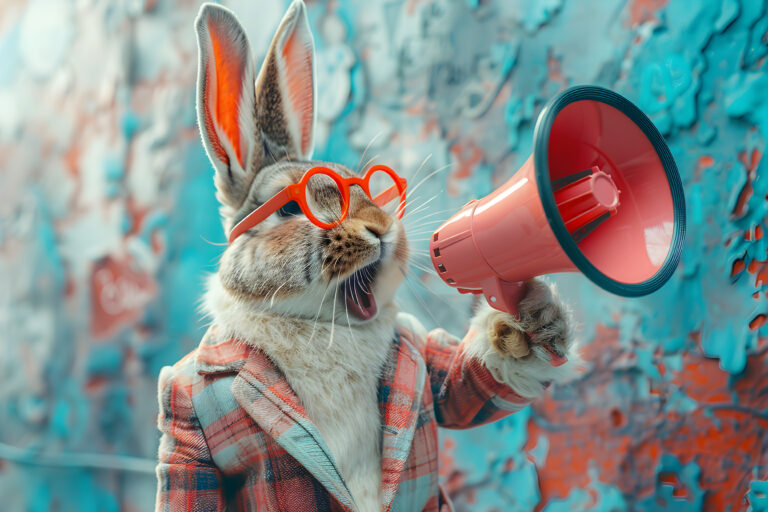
[262, 390]
[402, 384]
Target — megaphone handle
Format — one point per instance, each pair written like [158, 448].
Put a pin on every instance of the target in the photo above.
[504, 295]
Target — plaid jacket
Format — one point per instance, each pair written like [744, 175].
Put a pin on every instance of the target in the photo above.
[235, 436]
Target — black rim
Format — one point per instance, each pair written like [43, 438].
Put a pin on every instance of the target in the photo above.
[541, 163]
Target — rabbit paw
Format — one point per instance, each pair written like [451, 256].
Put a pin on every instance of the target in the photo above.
[542, 332]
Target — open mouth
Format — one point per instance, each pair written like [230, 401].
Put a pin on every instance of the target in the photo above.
[358, 292]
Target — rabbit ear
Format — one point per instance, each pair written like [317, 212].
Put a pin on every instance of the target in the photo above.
[285, 89]
[225, 98]
[246, 125]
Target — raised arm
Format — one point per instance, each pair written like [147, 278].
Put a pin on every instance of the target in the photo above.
[502, 364]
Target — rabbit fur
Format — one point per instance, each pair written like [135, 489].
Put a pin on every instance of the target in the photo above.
[280, 285]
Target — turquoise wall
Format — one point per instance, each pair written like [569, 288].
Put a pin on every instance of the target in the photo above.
[108, 225]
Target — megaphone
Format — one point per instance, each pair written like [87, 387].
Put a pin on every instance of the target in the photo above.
[600, 195]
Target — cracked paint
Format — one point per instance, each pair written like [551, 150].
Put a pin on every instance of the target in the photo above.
[108, 224]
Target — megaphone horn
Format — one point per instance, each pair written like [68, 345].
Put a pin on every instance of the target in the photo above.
[599, 195]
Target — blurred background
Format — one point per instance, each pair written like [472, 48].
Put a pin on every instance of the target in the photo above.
[108, 226]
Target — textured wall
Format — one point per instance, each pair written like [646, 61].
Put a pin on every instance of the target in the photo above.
[108, 224]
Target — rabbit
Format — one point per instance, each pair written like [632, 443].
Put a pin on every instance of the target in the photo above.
[310, 389]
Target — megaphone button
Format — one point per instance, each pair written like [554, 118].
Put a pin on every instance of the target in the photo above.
[605, 190]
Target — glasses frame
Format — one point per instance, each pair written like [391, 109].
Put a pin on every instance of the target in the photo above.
[298, 192]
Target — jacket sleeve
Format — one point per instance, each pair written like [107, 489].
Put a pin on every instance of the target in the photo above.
[186, 476]
[466, 393]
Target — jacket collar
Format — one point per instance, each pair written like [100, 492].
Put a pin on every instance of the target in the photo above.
[262, 390]
[218, 354]
[264, 393]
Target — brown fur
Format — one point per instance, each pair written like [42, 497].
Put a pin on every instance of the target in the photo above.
[543, 321]
[507, 339]
[269, 107]
[274, 279]
[265, 261]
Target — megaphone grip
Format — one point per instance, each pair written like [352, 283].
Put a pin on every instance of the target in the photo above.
[504, 295]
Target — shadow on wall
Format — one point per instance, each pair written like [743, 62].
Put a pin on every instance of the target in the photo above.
[108, 225]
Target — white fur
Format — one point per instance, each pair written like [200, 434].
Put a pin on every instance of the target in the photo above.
[333, 362]
[335, 379]
[233, 178]
[529, 377]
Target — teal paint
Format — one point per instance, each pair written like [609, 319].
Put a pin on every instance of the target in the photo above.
[697, 68]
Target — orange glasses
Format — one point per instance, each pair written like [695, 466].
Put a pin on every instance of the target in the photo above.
[383, 185]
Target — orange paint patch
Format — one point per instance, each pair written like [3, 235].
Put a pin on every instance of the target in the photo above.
[467, 156]
[95, 385]
[71, 157]
[754, 159]
[758, 322]
[702, 164]
[750, 164]
[554, 69]
[741, 202]
[669, 479]
[617, 417]
[417, 108]
[119, 293]
[761, 275]
[621, 435]
[757, 235]
[643, 11]
[136, 214]
[410, 6]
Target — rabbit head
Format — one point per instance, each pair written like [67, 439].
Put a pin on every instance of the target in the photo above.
[258, 133]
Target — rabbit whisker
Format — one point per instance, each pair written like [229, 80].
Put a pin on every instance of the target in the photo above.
[423, 205]
[370, 161]
[213, 243]
[272, 300]
[322, 301]
[346, 310]
[414, 189]
[423, 268]
[333, 313]
[416, 295]
[421, 166]
[432, 214]
[367, 147]
[440, 298]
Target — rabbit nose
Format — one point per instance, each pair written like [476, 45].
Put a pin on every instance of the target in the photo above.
[375, 231]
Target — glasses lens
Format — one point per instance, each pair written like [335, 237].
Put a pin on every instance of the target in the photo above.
[384, 192]
[324, 198]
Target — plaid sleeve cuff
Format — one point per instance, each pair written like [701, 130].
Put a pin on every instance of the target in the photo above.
[510, 382]
[479, 354]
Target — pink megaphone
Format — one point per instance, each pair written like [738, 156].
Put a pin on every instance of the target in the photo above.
[599, 195]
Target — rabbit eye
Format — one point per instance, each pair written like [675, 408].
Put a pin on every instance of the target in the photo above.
[290, 209]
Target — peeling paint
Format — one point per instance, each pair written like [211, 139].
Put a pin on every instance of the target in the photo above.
[108, 225]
